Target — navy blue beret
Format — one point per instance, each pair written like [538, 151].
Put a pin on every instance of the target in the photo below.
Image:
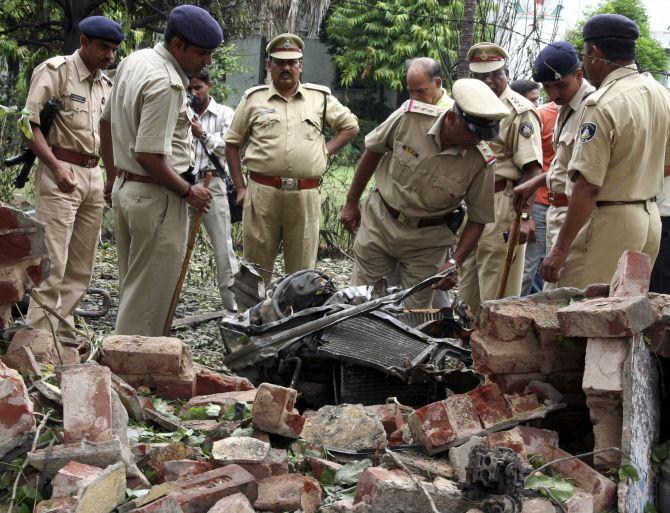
[555, 61]
[610, 25]
[100, 27]
[196, 26]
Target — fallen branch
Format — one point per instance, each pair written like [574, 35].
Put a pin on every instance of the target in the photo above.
[416, 481]
[35, 296]
[25, 463]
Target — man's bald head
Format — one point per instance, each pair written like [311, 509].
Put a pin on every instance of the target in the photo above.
[424, 79]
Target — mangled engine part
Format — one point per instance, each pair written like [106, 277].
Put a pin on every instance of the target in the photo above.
[495, 477]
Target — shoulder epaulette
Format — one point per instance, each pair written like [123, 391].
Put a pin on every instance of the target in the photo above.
[519, 103]
[56, 62]
[317, 87]
[422, 108]
[595, 96]
[255, 89]
[487, 153]
[108, 79]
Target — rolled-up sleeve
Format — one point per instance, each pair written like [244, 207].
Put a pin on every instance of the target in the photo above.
[160, 111]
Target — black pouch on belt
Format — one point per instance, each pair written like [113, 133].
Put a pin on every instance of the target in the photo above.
[454, 219]
[189, 176]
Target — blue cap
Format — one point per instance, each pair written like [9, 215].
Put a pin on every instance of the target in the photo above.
[196, 26]
[555, 61]
[100, 27]
[610, 25]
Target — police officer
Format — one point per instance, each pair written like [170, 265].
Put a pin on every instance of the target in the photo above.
[518, 149]
[425, 161]
[558, 67]
[617, 164]
[424, 82]
[69, 182]
[146, 134]
[282, 127]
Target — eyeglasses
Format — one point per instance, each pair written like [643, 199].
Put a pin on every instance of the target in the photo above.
[293, 63]
[491, 74]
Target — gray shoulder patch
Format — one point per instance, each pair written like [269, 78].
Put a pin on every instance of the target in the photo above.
[526, 129]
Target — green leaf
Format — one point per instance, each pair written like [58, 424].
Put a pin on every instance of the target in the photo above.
[24, 508]
[350, 472]
[650, 508]
[626, 471]
[327, 477]
[559, 487]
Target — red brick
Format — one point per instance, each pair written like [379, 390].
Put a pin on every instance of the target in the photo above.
[515, 383]
[210, 382]
[237, 503]
[606, 317]
[492, 356]
[273, 411]
[632, 275]
[490, 404]
[396, 438]
[182, 469]
[597, 290]
[523, 440]
[431, 428]
[318, 466]
[181, 386]
[367, 486]
[520, 404]
[11, 291]
[22, 360]
[389, 414]
[199, 493]
[14, 247]
[38, 272]
[87, 404]
[289, 492]
[149, 356]
[72, 478]
[224, 399]
[463, 415]
[8, 218]
[17, 422]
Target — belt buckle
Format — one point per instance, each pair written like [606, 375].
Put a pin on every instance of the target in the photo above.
[91, 161]
[290, 184]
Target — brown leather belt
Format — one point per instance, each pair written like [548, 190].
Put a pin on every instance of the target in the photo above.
[291, 184]
[558, 200]
[632, 202]
[423, 222]
[501, 184]
[132, 177]
[75, 158]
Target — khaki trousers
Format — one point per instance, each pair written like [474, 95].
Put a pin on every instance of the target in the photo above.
[273, 215]
[72, 226]
[482, 271]
[383, 242]
[609, 232]
[150, 225]
[217, 224]
[555, 219]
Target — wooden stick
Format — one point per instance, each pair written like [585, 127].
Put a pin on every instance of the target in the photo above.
[511, 247]
[184, 268]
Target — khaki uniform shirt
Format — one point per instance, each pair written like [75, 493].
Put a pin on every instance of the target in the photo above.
[81, 97]
[418, 178]
[148, 110]
[283, 137]
[519, 141]
[565, 133]
[445, 101]
[624, 137]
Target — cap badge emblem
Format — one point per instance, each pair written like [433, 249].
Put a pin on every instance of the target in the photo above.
[287, 43]
[484, 56]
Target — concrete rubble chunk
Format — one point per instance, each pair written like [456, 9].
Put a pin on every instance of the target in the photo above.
[421, 465]
[606, 317]
[72, 478]
[537, 505]
[273, 411]
[17, 422]
[347, 426]
[224, 399]
[391, 491]
[152, 461]
[105, 492]
[580, 502]
[289, 492]
[604, 361]
[57, 505]
[459, 457]
[632, 275]
[606, 413]
[239, 449]
[236, 503]
[87, 404]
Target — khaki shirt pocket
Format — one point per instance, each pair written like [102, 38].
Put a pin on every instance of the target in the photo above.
[311, 126]
[404, 163]
[74, 114]
[267, 126]
[442, 191]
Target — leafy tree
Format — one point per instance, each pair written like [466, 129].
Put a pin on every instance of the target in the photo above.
[650, 53]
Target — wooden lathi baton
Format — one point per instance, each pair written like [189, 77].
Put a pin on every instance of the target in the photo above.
[511, 248]
[187, 259]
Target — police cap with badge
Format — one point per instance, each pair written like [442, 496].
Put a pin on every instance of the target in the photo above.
[610, 25]
[486, 57]
[101, 27]
[481, 109]
[285, 47]
[555, 61]
[195, 26]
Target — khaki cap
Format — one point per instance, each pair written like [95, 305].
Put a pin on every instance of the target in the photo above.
[479, 106]
[485, 57]
[286, 46]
